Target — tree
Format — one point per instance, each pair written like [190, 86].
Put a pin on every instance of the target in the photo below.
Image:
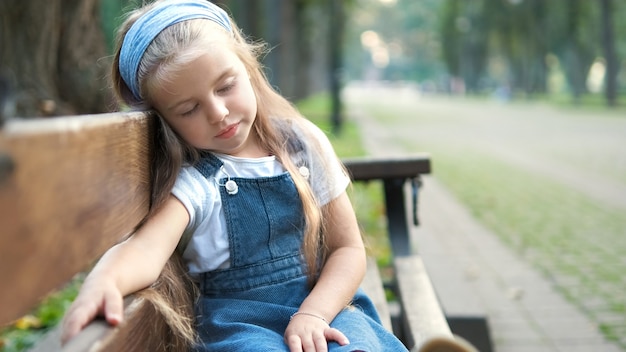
[518, 33]
[289, 27]
[54, 55]
[464, 33]
[578, 51]
[57, 60]
[305, 38]
[608, 43]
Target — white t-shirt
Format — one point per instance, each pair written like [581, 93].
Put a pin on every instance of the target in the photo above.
[208, 245]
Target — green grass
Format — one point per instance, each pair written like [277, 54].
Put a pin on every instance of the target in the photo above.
[26, 331]
[347, 142]
[585, 101]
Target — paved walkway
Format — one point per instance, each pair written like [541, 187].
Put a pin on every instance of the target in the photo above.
[470, 267]
[524, 311]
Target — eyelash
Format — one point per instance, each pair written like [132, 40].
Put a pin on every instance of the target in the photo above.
[189, 112]
[223, 90]
[227, 88]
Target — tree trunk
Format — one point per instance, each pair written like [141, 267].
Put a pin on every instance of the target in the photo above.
[304, 44]
[335, 62]
[577, 55]
[54, 55]
[608, 43]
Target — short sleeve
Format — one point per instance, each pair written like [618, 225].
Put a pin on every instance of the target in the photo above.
[197, 195]
[204, 243]
[328, 175]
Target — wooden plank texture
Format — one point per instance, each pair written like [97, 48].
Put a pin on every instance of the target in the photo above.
[76, 186]
[422, 314]
[98, 336]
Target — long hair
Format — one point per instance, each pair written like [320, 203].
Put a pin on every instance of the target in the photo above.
[178, 45]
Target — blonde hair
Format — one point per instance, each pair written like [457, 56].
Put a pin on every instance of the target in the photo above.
[179, 44]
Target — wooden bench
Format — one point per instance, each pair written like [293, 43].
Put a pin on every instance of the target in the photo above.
[71, 187]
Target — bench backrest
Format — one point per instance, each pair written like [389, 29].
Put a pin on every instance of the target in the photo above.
[70, 188]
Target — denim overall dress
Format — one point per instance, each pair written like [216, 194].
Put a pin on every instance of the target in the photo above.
[247, 306]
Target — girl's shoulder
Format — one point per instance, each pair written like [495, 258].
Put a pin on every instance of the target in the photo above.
[192, 182]
[302, 134]
[304, 128]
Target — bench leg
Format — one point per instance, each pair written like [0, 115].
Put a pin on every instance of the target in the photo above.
[472, 328]
[396, 217]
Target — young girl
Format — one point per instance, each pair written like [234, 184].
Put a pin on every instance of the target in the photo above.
[247, 190]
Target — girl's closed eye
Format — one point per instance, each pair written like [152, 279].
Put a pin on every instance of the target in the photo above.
[190, 111]
[227, 87]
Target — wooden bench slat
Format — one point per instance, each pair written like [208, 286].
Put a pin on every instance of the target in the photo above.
[90, 339]
[423, 318]
[78, 185]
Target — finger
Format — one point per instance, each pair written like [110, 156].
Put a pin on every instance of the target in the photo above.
[308, 345]
[321, 344]
[113, 308]
[333, 334]
[73, 322]
[294, 343]
[70, 328]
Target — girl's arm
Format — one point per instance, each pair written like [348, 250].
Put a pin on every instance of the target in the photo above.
[126, 268]
[339, 279]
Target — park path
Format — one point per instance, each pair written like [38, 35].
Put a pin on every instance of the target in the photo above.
[586, 153]
[525, 310]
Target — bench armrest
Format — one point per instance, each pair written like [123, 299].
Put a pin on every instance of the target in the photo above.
[394, 173]
[377, 168]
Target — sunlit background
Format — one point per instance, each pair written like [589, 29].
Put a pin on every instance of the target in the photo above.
[532, 48]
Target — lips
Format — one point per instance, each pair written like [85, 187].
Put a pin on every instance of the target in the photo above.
[228, 132]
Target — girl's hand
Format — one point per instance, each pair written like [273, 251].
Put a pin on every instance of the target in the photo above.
[306, 333]
[127, 267]
[96, 298]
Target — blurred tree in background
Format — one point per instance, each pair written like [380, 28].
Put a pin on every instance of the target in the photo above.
[57, 60]
[306, 41]
[531, 48]
[394, 40]
[54, 58]
[305, 37]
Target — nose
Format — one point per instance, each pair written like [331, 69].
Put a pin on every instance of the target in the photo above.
[216, 110]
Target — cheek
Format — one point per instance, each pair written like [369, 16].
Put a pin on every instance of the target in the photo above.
[185, 129]
[193, 132]
[250, 100]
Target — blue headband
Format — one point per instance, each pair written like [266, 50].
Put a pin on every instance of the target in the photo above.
[153, 22]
